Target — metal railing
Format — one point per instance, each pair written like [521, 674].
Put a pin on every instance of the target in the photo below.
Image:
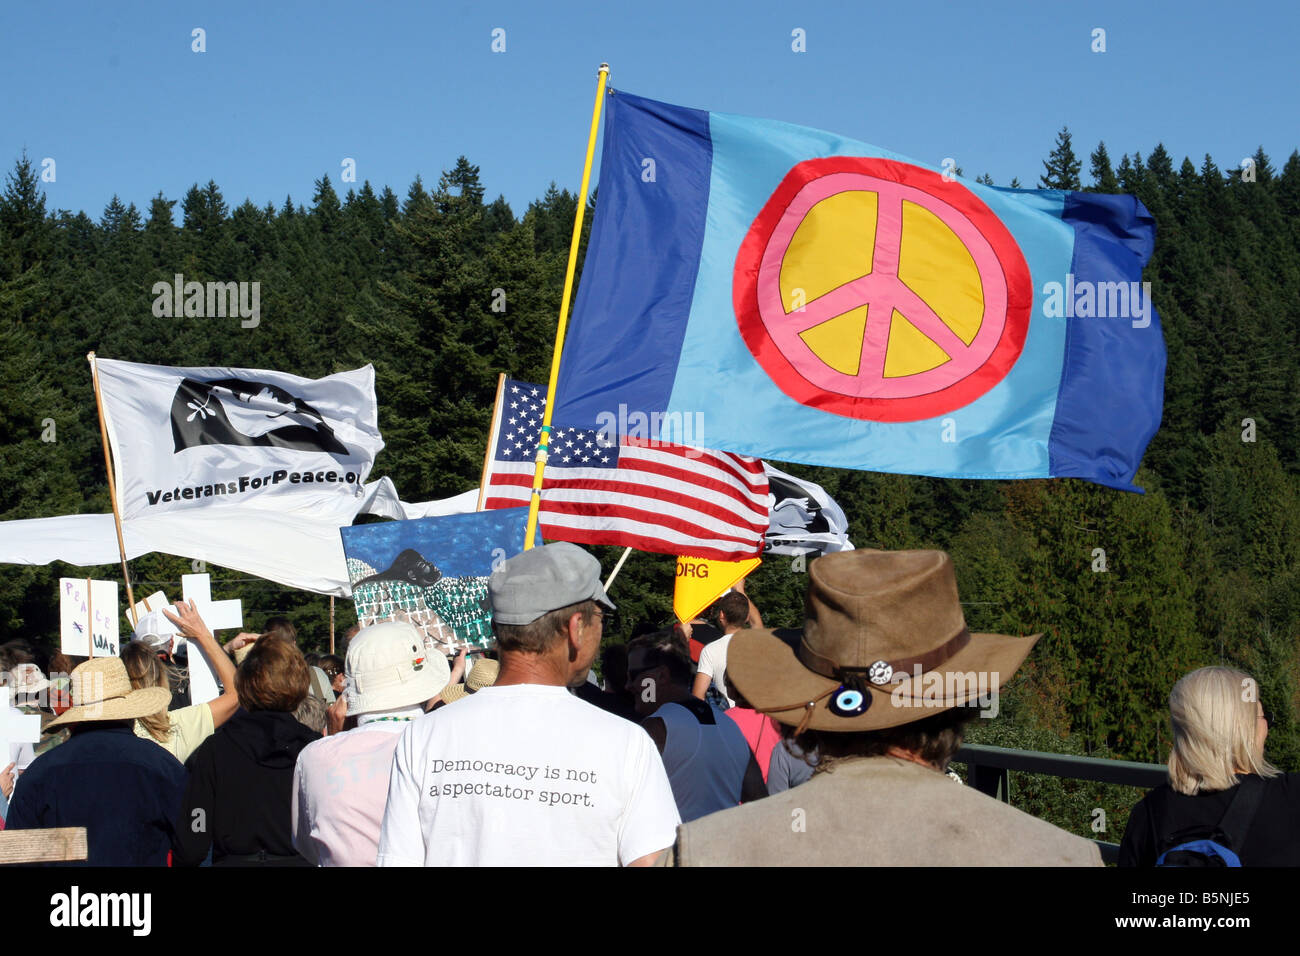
[990, 772]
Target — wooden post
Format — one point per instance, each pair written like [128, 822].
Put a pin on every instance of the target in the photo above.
[491, 442]
[617, 568]
[112, 489]
[90, 621]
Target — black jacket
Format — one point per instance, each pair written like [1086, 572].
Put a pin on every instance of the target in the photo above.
[240, 787]
[1273, 838]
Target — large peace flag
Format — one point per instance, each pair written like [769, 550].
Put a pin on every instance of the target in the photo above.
[806, 297]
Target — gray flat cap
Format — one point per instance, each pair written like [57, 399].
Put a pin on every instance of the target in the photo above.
[544, 579]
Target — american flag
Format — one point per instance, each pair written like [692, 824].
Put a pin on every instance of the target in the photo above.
[603, 489]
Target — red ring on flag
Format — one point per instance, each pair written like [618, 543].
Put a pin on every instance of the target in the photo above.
[1010, 273]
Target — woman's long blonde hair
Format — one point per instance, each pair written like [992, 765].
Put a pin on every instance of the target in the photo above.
[1214, 716]
[145, 669]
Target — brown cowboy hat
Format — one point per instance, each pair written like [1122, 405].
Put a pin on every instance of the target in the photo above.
[101, 690]
[884, 643]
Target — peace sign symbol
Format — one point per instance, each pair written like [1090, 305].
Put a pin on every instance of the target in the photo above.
[879, 290]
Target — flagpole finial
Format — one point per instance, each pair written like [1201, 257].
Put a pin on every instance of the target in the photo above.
[604, 68]
[90, 356]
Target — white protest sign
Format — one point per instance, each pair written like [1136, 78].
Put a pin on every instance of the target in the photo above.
[15, 729]
[152, 603]
[217, 615]
[88, 608]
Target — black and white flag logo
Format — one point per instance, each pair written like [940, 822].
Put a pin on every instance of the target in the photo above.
[236, 411]
[793, 511]
[802, 517]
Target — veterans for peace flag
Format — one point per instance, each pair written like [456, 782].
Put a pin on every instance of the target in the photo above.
[825, 301]
[188, 438]
[606, 485]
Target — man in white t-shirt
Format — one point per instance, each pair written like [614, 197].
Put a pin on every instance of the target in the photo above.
[523, 773]
[733, 614]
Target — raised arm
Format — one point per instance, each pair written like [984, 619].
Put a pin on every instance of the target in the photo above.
[191, 625]
[755, 619]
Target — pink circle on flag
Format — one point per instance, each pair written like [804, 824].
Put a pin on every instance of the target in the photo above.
[775, 334]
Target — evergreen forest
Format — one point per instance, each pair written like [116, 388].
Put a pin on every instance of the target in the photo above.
[1204, 568]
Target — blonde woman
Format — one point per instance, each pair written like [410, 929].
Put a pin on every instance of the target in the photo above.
[181, 731]
[1221, 789]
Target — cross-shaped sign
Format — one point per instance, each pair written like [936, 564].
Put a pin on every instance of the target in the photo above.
[15, 728]
[217, 615]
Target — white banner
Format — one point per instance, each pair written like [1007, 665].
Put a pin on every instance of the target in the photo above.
[184, 439]
[296, 548]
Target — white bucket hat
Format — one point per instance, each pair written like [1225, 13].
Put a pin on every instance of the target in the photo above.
[388, 668]
[27, 679]
[155, 630]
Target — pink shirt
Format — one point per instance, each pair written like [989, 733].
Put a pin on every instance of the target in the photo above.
[760, 733]
[340, 787]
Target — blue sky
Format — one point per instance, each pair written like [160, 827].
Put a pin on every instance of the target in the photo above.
[286, 90]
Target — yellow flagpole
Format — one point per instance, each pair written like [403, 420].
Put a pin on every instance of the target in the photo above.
[544, 442]
[112, 490]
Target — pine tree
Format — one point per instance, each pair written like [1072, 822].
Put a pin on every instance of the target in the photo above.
[1288, 191]
[985, 179]
[131, 221]
[23, 224]
[1161, 166]
[417, 197]
[114, 213]
[461, 181]
[160, 214]
[1061, 167]
[325, 208]
[1103, 177]
[498, 217]
[388, 200]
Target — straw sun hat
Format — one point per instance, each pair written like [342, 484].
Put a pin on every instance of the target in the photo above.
[483, 675]
[884, 643]
[101, 690]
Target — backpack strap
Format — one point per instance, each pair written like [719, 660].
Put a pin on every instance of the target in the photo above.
[1241, 811]
[699, 709]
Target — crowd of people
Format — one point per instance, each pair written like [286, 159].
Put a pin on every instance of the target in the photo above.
[711, 742]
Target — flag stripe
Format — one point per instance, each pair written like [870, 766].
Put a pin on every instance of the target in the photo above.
[675, 495]
[655, 497]
[642, 536]
[611, 504]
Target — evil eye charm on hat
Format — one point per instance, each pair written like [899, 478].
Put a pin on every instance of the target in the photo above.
[849, 701]
[852, 698]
